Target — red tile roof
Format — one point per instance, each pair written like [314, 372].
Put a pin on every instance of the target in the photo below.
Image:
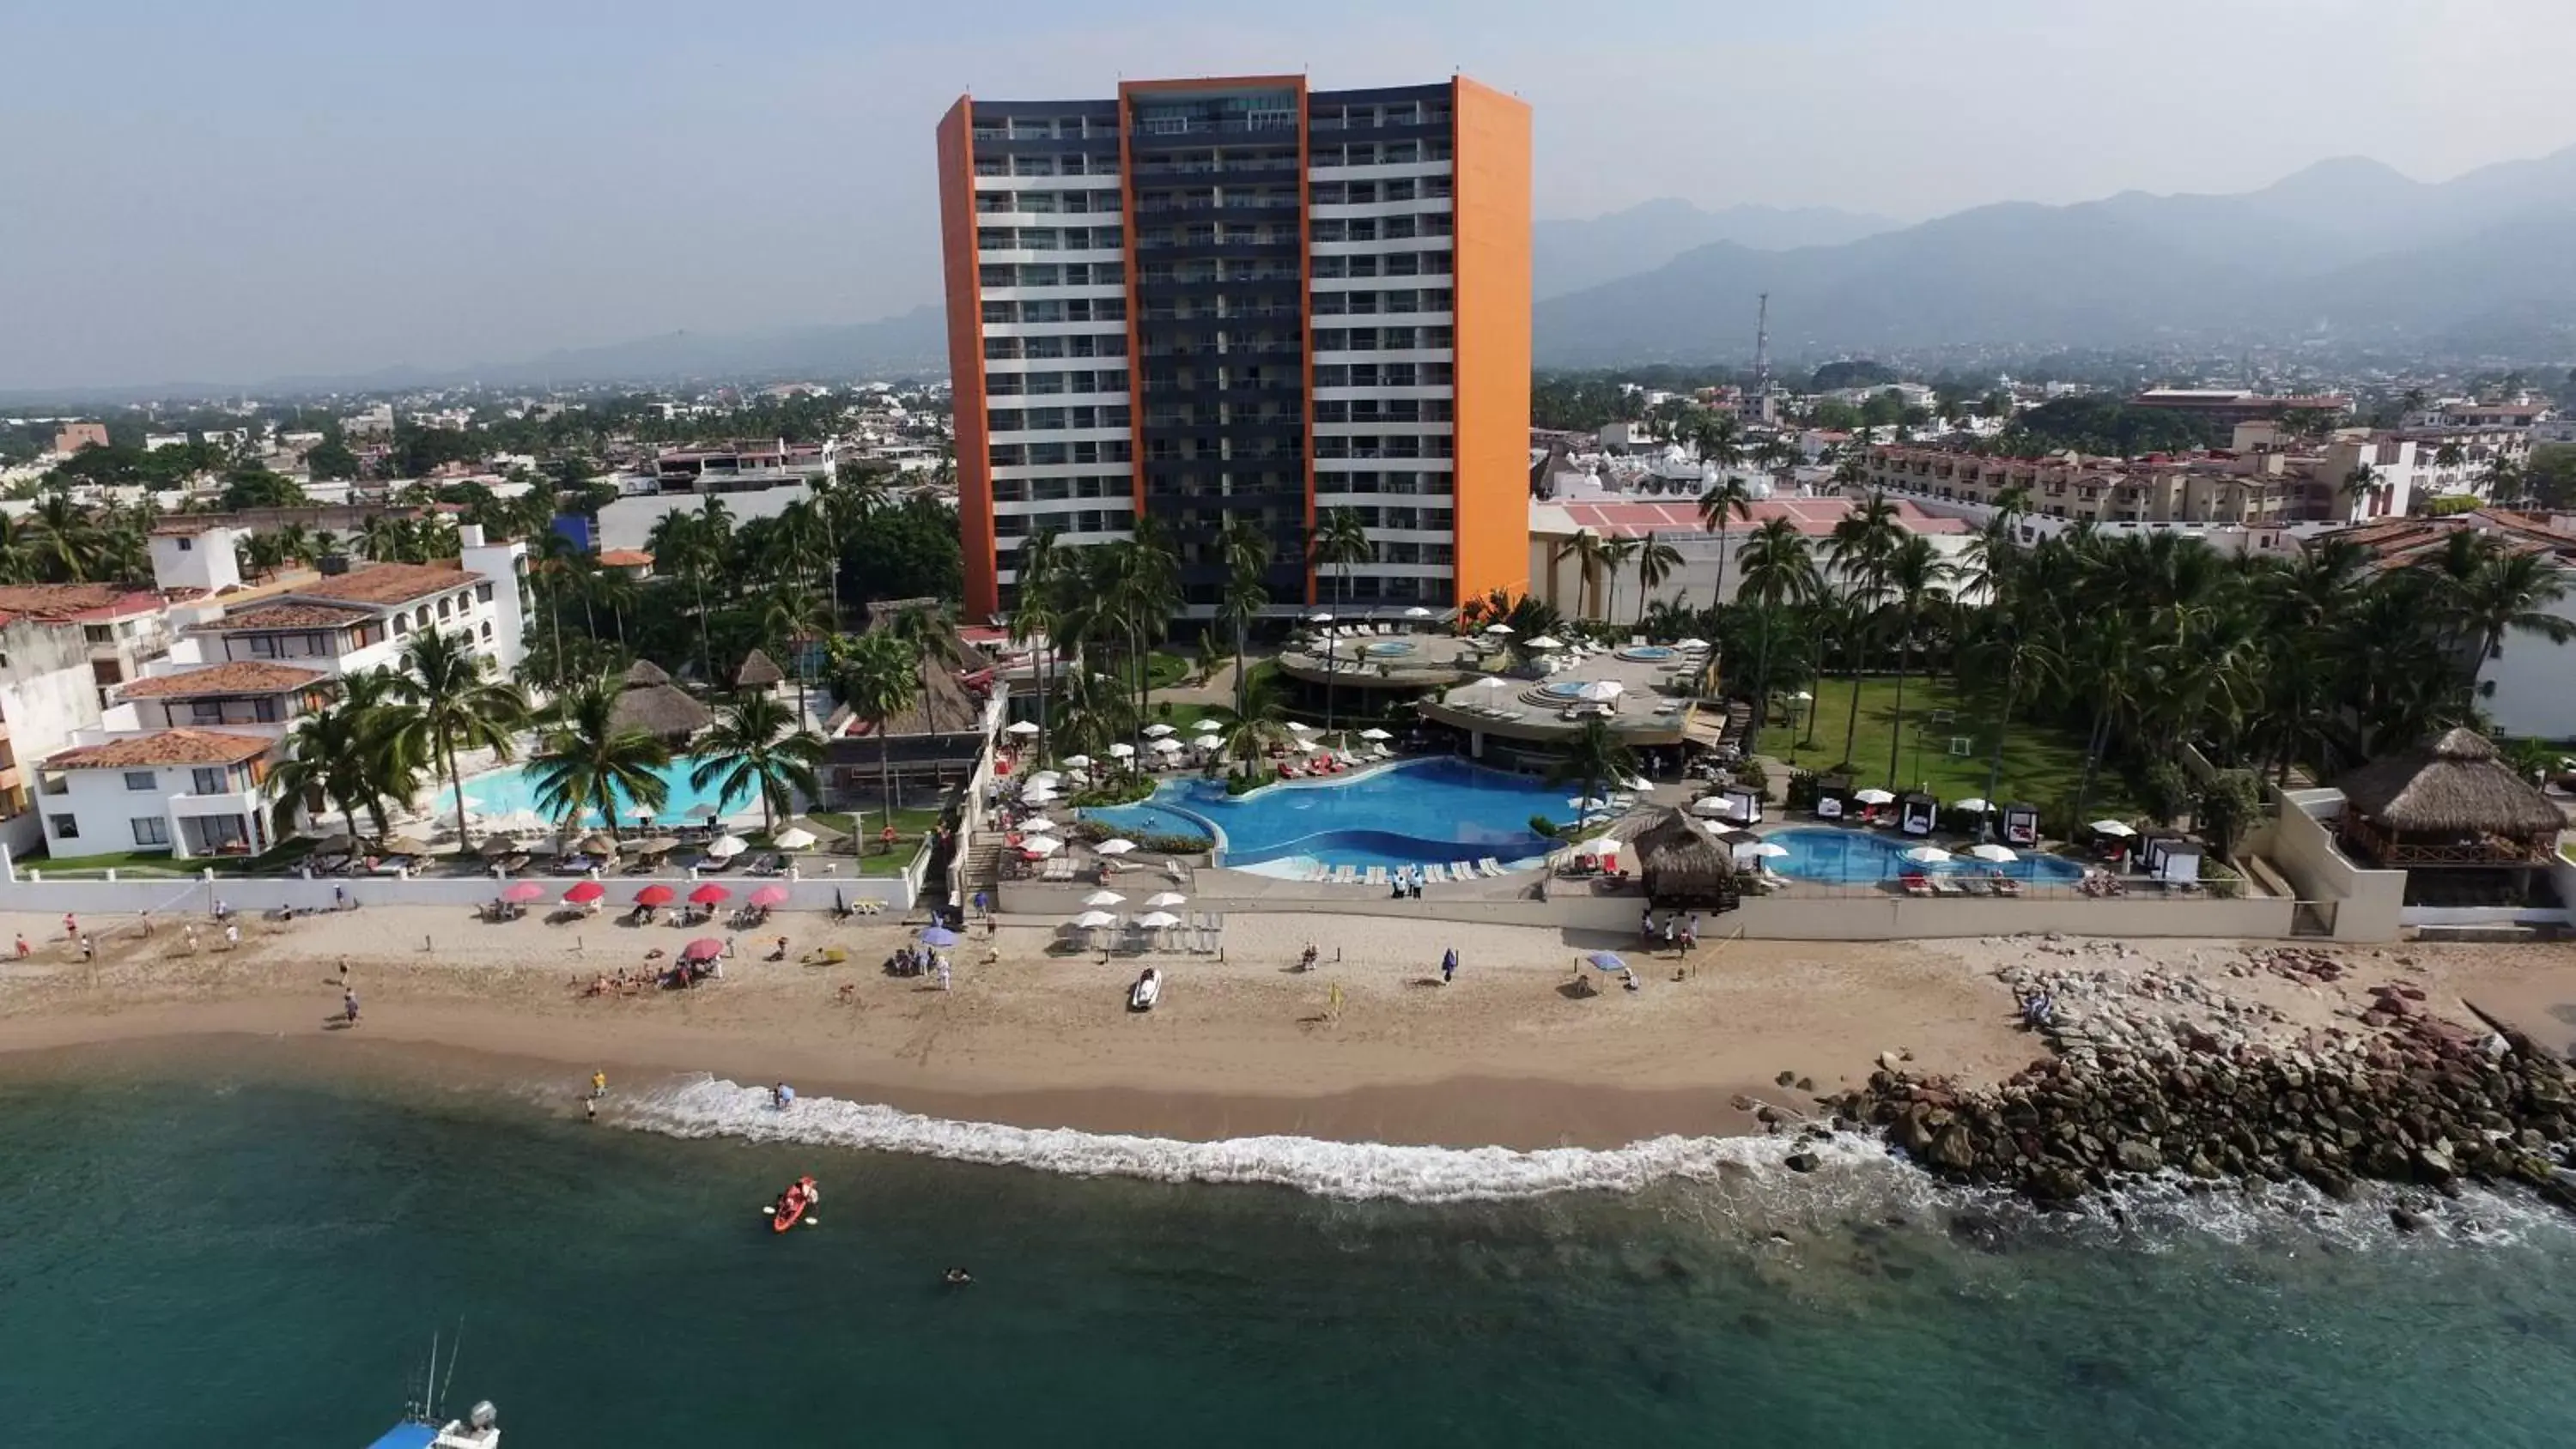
[67, 603]
[164, 747]
[245, 676]
[1814, 517]
[387, 583]
[625, 558]
[285, 616]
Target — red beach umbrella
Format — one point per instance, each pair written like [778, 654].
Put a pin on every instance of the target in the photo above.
[708, 894]
[705, 948]
[770, 895]
[524, 892]
[654, 895]
[586, 892]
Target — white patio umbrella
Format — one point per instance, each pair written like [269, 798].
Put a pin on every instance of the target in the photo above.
[1301, 727]
[1037, 797]
[2111, 827]
[1165, 900]
[1037, 826]
[1209, 741]
[1873, 796]
[1999, 854]
[1122, 750]
[1115, 846]
[1045, 778]
[1971, 805]
[1766, 850]
[640, 812]
[1498, 628]
[1210, 726]
[1168, 746]
[1707, 805]
[1158, 920]
[1692, 644]
[1022, 728]
[1601, 691]
[1079, 762]
[1157, 731]
[1417, 612]
[726, 847]
[1040, 845]
[1587, 802]
[1374, 733]
[1544, 641]
[1927, 855]
[1104, 898]
[1094, 920]
[794, 837]
[1495, 681]
[1598, 845]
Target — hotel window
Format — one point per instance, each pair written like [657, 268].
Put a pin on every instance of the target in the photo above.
[208, 780]
[141, 780]
[149, 830]
[66, 827]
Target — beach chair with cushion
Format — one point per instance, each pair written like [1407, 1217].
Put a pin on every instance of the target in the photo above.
[1944, 885]
[2003, 885]
[1461, 870]
[1376, 875]
[1487, 865]
[1435, 875]
[1915, 885]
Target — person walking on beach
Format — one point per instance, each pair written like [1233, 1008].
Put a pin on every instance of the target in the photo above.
[24, 950]
[232, 934]
[943, 973]
[71, 927]
[598, 1084]
[145, 920]
[1448, 965]
[349, 1006]
[188, 934]
[89, 949]
[344, 971]
[1646, 924]
[1690, 933]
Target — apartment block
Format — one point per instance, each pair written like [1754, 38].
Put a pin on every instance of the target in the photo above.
[1219, 299]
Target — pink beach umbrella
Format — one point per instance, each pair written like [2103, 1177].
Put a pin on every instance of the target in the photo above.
[655, 895]
[705, 948]
[524, 892]
[770, 895]
[586, 892]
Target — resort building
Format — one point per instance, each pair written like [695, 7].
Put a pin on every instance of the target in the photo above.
[187, 791]
[48, 694]
[2230, 406]
[1243, 298]
[1558, 576]
[361, 619]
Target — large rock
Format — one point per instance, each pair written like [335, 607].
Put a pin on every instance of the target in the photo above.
[1955, 1148]
[2138, 1155]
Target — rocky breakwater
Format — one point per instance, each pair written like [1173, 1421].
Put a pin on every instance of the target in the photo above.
[2159, 1071]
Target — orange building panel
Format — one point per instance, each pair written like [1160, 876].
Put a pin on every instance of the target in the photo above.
[966, 357]
[1491, 165]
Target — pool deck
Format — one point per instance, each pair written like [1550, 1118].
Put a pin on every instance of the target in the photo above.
[1655, 704]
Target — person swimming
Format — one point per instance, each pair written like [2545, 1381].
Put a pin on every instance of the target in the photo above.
[957, 1277]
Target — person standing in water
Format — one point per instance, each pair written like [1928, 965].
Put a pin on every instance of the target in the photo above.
[598, 1084]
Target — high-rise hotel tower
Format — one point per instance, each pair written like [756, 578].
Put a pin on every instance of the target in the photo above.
[1241, 298]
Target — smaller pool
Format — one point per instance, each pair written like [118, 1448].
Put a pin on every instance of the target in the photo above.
[1648, 653]
[1859, 857]
[1390, 648]
[1563, 689]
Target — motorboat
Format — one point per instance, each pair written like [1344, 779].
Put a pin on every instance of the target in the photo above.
[1147, 990]
[794, 1205]
[423, 1427]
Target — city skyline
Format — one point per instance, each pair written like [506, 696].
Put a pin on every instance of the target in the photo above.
[255, 199]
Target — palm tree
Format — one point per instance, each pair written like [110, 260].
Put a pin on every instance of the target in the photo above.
[1656, 562]
[1036, 615]
[1586, 548]
[325, 764]
[451, 703]
[790, 615]
[586, 761]
[2508, 593]
[1859, 549]
[390, 757]
[1340, 541]
[1779, 569]
[1726, 500]
[1592, 754]
[18, 546]
[1916, 573]
[1616, 555]
[878, 677]
[2360, 486]
[1245, 546]
[65, 539]
[756, 744]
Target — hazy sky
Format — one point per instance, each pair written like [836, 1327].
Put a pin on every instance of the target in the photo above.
[230, 192]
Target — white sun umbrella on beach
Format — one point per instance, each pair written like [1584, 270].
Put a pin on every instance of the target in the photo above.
[1165, 900]
[1037, 825]
[1927, 855]
[1873, 796]
[1495, 681]
[1094, 920]
[1417, 612]
[1587, 802]
[1209, 726]
[1098, 899]
[1600, 691]
[1023, 728]
[1158, 920]
[1999, 854]
[1079, 762]
[794, 837]
[1122, 751]
[1157, 731]
[726, 847]
[2111, 827]
[1711, 805]
[1037, 797]
[1115, 845]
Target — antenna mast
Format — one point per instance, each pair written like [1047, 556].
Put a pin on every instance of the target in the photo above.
[1762, 349]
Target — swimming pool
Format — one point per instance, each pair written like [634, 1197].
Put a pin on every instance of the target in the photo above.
[1390, 648]
[1563, 689]
[1421, 812]
[1859, 857]
[1648, 653]
[509, 791]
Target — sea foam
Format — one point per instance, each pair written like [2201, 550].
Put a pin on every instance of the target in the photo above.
[1355, 1171]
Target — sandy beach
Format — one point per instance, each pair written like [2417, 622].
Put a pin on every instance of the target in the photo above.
[1509, 1054]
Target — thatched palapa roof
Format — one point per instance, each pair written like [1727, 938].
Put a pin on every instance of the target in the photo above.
[652, 703]
[645, 672]
[2455, 786]
[1679, 860]
[758, 671]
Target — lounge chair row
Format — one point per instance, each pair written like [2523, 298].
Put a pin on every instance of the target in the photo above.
[1958, 885]
[1382, 878]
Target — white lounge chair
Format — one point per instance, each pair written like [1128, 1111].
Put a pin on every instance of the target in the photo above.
[1346, 875]
[1377, 875]
[1489, 866]
[1435, 875]
[1461, 870]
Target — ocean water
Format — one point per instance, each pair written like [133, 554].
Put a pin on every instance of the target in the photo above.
[260, 1263]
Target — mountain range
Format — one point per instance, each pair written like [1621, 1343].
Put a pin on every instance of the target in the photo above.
[1568, 256]
[2347, 249]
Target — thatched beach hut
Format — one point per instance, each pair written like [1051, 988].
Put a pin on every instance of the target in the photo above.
[758, 671]
[1682, 864]
[2456, 818]
[652, 703]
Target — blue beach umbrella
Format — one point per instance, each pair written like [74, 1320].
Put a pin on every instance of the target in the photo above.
[939, 936]
[1606, 961]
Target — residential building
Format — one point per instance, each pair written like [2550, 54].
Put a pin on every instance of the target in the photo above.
[48, 695]
[2230, 406]
[70, 438]
[189, 791]
[1242, 298]
[743, 466]
[2255, 490]
[1557, 575]
[250, 696]
[361, 619]
[122, 630]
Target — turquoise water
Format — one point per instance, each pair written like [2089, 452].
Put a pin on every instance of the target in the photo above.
[279, 1256]
[1857, 857]
[1417, 813]
[509, 791]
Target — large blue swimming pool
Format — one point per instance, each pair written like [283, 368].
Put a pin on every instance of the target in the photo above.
[1857, 857]
[504, 792]
[1418, 813]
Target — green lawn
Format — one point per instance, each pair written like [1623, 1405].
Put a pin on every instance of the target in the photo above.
[910, 826]
[2041, 765]
[1164, 669]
